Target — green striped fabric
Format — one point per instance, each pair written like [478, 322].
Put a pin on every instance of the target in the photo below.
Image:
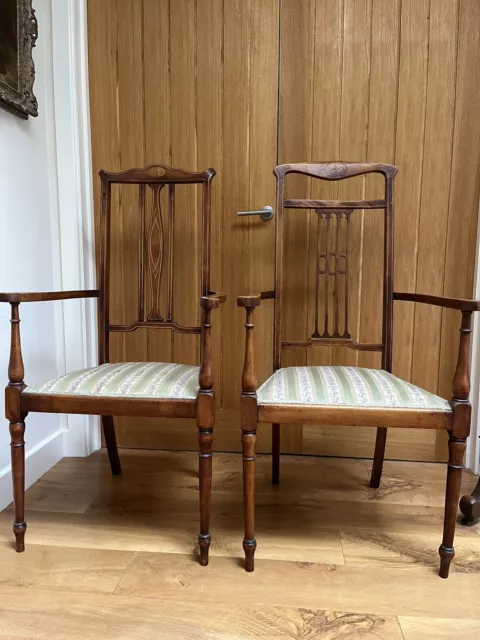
[346, 386]
[127, 379]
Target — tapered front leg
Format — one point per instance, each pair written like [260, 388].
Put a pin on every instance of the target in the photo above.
[205, 440]
[456, 448]
[249, 543]
[17, 430]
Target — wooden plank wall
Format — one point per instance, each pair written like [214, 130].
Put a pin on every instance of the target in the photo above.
[195, 83]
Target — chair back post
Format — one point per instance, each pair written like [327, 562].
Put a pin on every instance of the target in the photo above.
[332, 261]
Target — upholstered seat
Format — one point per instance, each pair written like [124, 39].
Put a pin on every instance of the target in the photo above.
[345, 386]
[126, 379]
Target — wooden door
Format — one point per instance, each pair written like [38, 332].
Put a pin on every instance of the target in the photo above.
[243, 84]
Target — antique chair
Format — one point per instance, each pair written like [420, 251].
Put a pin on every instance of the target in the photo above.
[129, 389]
[334, 395]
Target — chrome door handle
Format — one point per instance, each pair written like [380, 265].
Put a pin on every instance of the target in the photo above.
[266, 213]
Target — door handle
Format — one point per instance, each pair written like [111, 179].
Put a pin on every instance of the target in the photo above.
[266, 213]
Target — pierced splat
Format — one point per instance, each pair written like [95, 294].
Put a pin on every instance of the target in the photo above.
[332, 264]
[156, 250]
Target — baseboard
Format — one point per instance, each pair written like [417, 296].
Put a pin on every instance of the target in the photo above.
[38, 461]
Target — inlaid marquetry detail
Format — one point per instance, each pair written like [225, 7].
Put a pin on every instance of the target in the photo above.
[332, 267]
[156, 250]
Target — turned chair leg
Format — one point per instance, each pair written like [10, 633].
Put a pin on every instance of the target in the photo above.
[205, 440]
[111, 442]
[378, 457]
[275, 453]
[456, 450]
[17, 431]
[249, 542]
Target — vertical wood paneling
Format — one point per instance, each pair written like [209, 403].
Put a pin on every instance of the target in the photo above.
[132, 153]
[437, 155]
[382, 107]
[409, 157]
[194, 83]
[465, 184]
[357, 29]
[235, 255]
[327, 73]
[156, 61]
[183, 119]
[210, 145]
[263, 96]
[297, 55]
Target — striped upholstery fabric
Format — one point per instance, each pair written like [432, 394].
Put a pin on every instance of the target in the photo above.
[346, 386]
[127, 379]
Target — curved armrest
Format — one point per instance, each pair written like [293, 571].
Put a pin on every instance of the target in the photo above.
[440, 301]
[44, 296]
[213, 300]
[255, 300]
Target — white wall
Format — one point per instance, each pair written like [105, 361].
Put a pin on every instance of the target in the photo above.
[42, 165]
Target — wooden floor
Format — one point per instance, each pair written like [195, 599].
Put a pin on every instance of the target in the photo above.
[113, 558]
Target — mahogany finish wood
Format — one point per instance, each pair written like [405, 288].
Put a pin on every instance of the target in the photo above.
[45, 296]
[333, 265]
[155, 272]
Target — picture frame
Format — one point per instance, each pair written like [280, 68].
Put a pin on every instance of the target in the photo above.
[18, 34]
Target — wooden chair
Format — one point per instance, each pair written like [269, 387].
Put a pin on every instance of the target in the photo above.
[347, 395]
[127, 389]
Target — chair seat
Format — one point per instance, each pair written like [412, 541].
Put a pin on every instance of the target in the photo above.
[126, 379]
[345, 386]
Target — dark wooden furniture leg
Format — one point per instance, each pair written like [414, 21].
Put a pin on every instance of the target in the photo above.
[470, 505]
[378, 457]
[275, 453]
[111, 442]
[249, 436]
[205, 421]
[248, 417]
[205, 440]
[17, 426]
[17, 430]
[457, 442]
[456, 449]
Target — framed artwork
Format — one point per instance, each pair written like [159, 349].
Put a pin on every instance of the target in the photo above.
[18, 33]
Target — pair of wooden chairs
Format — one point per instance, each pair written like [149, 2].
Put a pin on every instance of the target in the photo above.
[307, 395]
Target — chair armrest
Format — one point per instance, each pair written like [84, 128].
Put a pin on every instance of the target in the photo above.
[255, 300]
[44, 296]
[213, 300]
[440, 301]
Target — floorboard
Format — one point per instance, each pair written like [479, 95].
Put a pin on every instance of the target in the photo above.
[114, 558]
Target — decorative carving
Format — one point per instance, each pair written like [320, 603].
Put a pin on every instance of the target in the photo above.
[16, 66]
[155, 253]
[336, 169]
[332, 263]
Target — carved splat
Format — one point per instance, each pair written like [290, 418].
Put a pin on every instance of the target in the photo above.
[155, 252]
[332, 267]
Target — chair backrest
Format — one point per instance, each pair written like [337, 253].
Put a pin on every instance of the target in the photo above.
[332, 257]
[151, 248]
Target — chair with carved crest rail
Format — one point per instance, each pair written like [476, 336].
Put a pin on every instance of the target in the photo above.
[334, 395]
[149, 389]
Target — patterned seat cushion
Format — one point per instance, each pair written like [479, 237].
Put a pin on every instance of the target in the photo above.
[346, 386]
[127, 379]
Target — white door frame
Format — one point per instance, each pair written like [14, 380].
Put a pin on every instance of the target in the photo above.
[73, 218]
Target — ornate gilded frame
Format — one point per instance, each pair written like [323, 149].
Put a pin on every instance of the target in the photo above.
[21, 101]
